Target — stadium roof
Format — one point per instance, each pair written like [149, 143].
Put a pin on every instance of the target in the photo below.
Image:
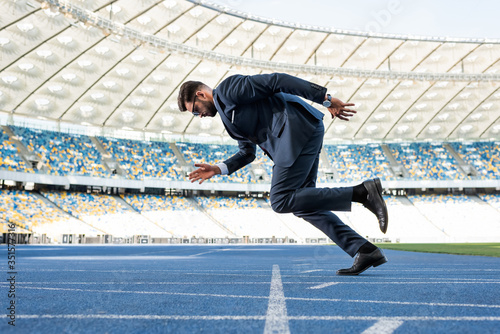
[119, 64]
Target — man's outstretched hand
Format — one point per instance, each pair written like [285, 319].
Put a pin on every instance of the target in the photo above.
[338, 109]
[204, 172]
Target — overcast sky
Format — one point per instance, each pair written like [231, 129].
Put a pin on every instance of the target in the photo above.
[452, 18]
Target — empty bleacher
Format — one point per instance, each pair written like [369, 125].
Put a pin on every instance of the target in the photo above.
[461, 218]
[104, 213]
[416, 218]
[359, 162]
[245, 217]
[195, 153]
[10, 159]
[483, 156]
[27, 210]
[491, 199]
[72, 154]
[177, 215]
[63, 154]
[406, 223]
[413, 218]
[143, 159]
[427, 161]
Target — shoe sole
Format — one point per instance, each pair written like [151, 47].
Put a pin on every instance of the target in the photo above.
[376, 264]
[380, 262]
[378, 184]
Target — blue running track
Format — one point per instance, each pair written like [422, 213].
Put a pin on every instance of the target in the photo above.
[246, 289]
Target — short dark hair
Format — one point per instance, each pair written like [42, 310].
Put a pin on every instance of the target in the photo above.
[187, 92]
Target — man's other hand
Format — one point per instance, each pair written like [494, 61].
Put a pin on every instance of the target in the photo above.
[204, 172]
[338, 109]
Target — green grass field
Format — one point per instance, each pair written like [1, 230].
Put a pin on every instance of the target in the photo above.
[486, 249]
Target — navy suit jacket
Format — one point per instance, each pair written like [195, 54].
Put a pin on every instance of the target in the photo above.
[265, 110]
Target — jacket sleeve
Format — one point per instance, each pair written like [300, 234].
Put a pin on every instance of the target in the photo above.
[245, 155]
[240, 89]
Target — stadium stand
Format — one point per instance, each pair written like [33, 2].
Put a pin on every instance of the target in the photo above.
[263, 162]
[10, 159]
[145, 203]
[415, 218]
[407, 224]
[484, 156]
[105, 213]
[455, 214]
[491, 199]
[72, 154]
[29, 211]
[427, 161]
[177, 215]
[255, 219]
[303, 232]
[359, 162]
[63, 154]
[211, 153]
[144, 159]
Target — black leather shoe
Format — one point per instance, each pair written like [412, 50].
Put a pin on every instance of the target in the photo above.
[364, 261]
[375, 202]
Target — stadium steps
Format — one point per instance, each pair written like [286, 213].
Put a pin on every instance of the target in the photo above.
[186, 168]
[178, 155]
[397, 169]
[464, 167]
[344, 217]
[480, 202]
[405, 201]
[31, 159]
[52, 204]
[112, 166]
[123, 202]
[19, 228]
[330, 170]
[265, 204]
[218, 223]
[253, 175]
[258, 171]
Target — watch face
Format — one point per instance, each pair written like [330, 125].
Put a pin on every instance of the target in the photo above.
[327, 104]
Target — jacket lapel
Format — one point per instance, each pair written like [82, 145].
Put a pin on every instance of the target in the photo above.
[230, 128]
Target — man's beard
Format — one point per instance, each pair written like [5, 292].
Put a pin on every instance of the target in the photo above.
[209, 107]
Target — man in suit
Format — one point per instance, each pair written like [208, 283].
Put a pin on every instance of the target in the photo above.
[266, 110]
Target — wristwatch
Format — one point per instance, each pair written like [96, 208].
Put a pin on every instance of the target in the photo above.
[328, 102]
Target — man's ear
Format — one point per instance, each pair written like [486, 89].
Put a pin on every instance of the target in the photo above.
[201, 94]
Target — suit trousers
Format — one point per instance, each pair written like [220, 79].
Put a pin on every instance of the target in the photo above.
[293, 189]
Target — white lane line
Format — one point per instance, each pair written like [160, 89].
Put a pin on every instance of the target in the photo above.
[396, 318]
[252, 270]
[108, 257]
[440, 270]
[143, 283]
[230, 283]
[410, 283]
[249, 317]
[311, 271]
[391, 302]
[151, 293]
[276, 317]
[141, 317]
[383, 327]
[324, 285]
[146, 270]
[264, 297]
[212, 251]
